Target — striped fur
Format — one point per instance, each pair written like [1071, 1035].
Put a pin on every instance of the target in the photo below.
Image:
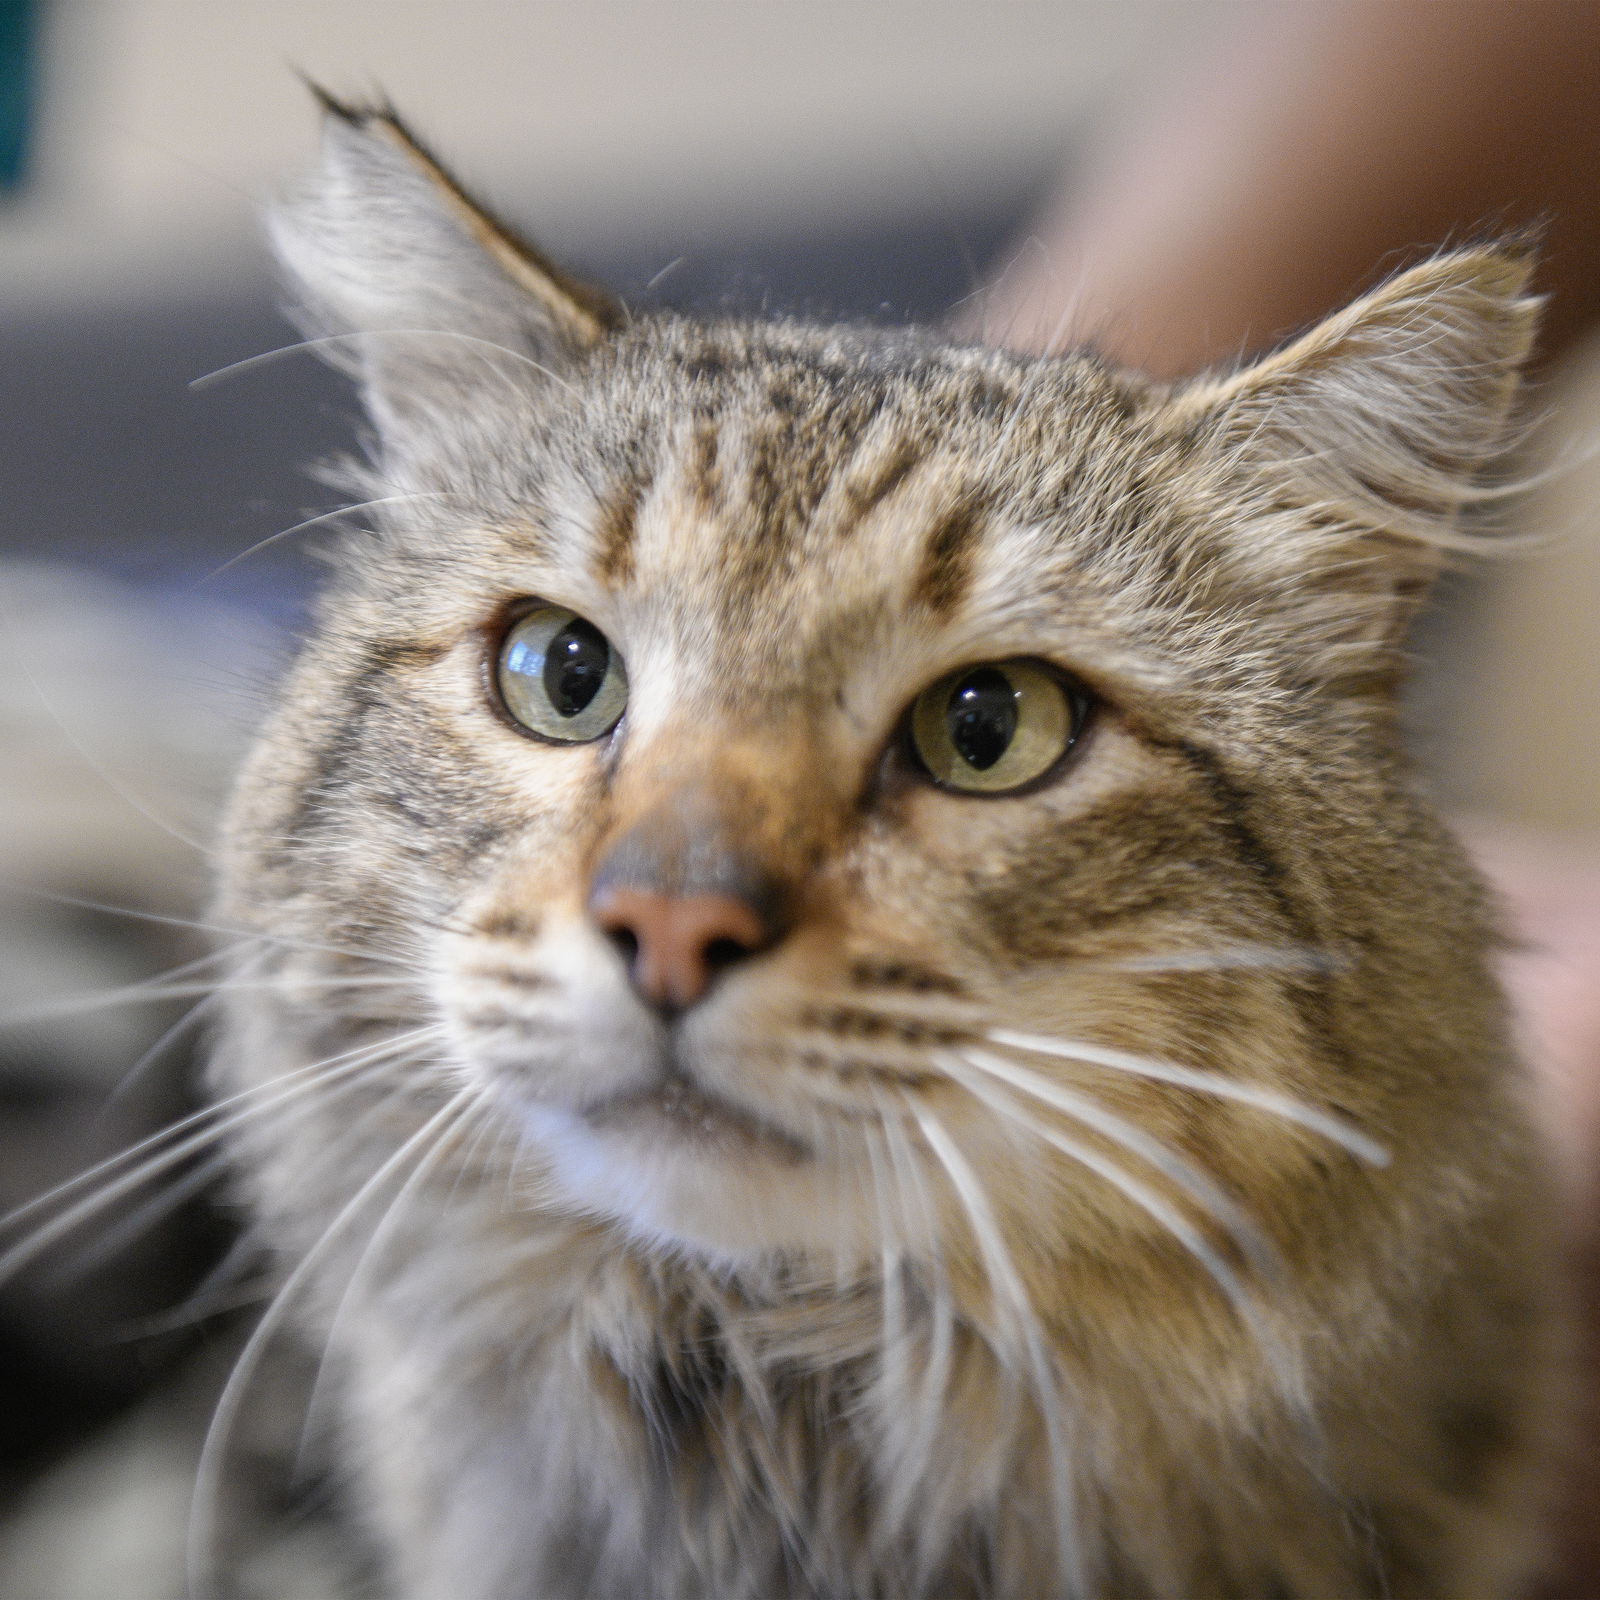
[905, 1300]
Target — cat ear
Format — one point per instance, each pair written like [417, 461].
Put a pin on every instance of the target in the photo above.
[1363, 439]
[385, 246]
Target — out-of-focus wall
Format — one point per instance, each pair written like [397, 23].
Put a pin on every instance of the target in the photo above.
[814, 155]
[163, 122]
[1526, 739]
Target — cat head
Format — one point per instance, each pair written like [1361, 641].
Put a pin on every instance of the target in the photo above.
[822, 779]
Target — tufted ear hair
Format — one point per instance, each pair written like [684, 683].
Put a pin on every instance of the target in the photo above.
[1363, 440]
[383, 242]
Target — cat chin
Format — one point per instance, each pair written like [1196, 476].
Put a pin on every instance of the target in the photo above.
[723, 1191]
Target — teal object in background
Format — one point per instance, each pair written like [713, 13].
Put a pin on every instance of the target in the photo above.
[17, 64]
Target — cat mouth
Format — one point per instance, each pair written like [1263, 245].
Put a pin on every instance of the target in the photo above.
[681, 1109]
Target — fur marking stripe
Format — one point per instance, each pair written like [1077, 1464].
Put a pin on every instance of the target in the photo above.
[947, 559]
[616, 523]
[864, 495]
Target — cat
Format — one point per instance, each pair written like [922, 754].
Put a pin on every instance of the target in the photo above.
[858, 996]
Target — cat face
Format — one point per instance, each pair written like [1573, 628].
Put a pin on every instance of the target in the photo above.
[826, 783]
[777, 633]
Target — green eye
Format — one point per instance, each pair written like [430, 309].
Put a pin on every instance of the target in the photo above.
[559, 676]
[995, 727]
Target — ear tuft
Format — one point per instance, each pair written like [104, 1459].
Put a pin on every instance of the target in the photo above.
[578, 311]
[1388, 410]
[1349, 455]
[383, 240]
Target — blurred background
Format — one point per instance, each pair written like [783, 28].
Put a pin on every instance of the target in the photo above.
[874, 159]
[831, 158]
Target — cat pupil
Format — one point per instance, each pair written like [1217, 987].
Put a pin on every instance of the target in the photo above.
[982, 717]
[575, 666]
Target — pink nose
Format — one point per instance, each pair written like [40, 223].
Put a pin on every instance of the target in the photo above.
[677, 944]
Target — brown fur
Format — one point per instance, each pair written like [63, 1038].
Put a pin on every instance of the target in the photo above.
[879, 1318]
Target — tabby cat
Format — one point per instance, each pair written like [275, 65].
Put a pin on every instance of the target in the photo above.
[861, 1000]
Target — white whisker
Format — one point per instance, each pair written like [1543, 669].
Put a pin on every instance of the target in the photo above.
[1223, 958]
[312, 522]
[13, 1260]
[256, 935]
[325, 341]
[153, 992]
[221, 1289]
[192, 1017]
[1335, 1129]
[371, 1255]
[1206, 1193]
[919, 1405]
[106, 776]
[1021, 1325]
[142, 1218]
[894, 1344]
[208, 1472]
[77, 1005]
[212, 1124]
[1160, 1210]
[489, 1126]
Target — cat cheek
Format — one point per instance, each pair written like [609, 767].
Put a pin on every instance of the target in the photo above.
[547, 1019]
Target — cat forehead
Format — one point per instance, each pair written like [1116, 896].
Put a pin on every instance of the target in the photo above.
[815, 395]
[813, 504]
[776, 463]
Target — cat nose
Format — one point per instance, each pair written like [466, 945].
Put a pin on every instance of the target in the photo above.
[675, 945]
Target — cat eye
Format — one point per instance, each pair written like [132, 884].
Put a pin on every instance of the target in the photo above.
[996, 727]
[559, 677]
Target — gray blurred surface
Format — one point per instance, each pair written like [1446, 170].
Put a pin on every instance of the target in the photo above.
[111, 459]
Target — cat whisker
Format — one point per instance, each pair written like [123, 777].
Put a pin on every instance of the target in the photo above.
[47, 1234]
[112, 782]
[310, 522]
[222, 1289]
[209, 1171]
[913, 1190]
[140, 1220]
[1151, 1201]
[918, 1405]
[1224, 958]
[151, 992]
[894, 1352]
[658, 278]
[208, 1472]
[1005, 1282]
[192, 1017]
[1020, 1328]
[1273, 1101]
[110, 1000]
[1199, 1187]
[329, 340]
[332, 340]
[75, 1005]
[489, 1125]
[372, 1252]
[243, 936]
[212, 1121]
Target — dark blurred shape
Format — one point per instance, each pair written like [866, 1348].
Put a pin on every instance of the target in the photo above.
[120, 718]
[74, 1344]
[18, 39]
